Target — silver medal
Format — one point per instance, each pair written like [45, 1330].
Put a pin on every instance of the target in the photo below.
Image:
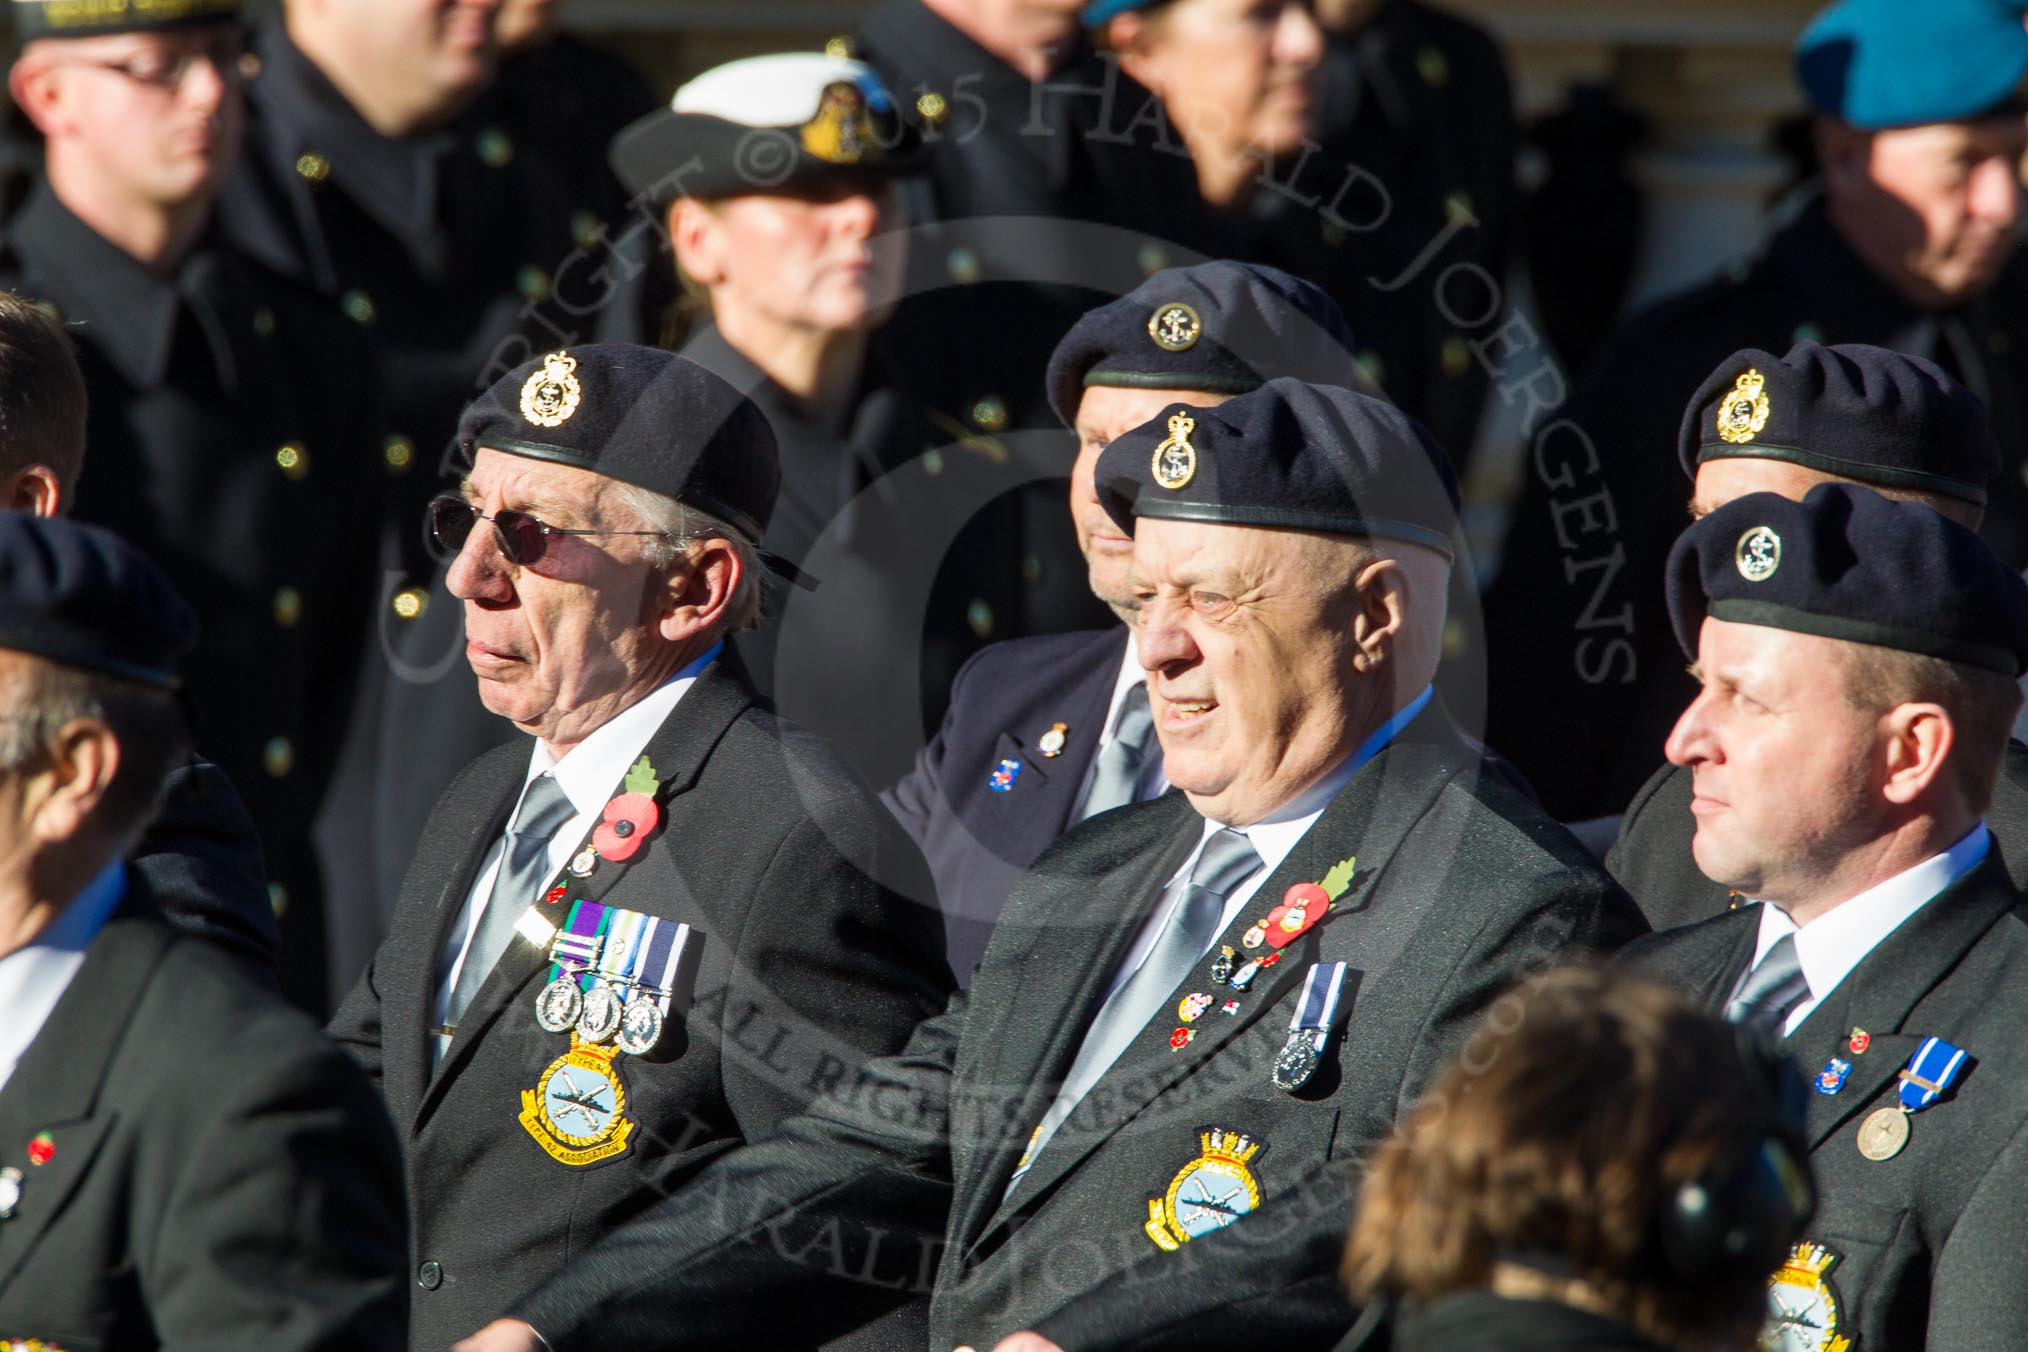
[640, 1026]
[601, 1014]
[558, 1005]
[1297, 1062]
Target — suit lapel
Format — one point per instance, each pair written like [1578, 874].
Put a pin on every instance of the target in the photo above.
[56, 1086]
[1083, 710]
[678, 751]
[1369, 819]
[1884, 989]
[1033, 1024]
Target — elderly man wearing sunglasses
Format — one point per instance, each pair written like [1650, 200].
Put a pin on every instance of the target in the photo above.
[638, 942]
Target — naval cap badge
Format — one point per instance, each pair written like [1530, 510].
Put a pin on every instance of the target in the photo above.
[1743, 411]
[551, 395]
[1175, 463]
[1758, 554]
[1175, 327]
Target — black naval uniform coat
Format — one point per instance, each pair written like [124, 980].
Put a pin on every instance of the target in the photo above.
[219, 1176]
[1041, 201]
[1461, 887]
[231, 439]
[1479, 1321]
[774, 854]
[1584, 677]
[1925, 1246]
[980, 841]
[1652, 858]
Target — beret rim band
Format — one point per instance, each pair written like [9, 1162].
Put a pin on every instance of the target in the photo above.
[1773, 615]
[66, 648]
[1859, 471]
[703, 502]
[1210, 382]
[1385, 528]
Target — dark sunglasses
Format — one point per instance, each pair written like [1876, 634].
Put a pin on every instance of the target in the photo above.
[523, 539]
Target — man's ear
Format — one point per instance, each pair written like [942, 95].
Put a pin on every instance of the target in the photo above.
[1126, 35]
[698, 590]
[37, 88]
[698, 238]
[33, 489]
[77, 768]
[1381, 591]
[1916, 742]
[1844, 153]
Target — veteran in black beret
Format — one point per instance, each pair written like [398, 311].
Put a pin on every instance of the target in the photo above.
[1192, 1009]
[1905, 240]
[645, 932]
[1858, 659]
[185, 1161]
[1045, 731]
[1761, 423]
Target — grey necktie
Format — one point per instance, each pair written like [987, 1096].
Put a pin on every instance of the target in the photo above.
[1775, 986]
[1118, 777]
[524, 867]
[1227, 859]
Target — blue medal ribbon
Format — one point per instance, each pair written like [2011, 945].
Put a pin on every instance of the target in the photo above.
[1319, 1003]
[1930, 1073]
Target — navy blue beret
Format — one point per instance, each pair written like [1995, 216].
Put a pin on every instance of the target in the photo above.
[1847, 563]
[1220, 327]
[1098, 11]
[1902, 63]
[639, 415]
[1859, 412]
[767, 124]
[1291, 455]
[56, 19]
[81, 596]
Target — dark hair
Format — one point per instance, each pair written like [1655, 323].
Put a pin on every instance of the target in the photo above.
[146, 721]
[42, 394]
[1555, 1141]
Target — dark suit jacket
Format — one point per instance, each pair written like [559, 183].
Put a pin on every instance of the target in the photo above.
[1653, 861]
[1462, 886]
[221, 1176]
[979, 843]
[1926, 1243]
[774, 854]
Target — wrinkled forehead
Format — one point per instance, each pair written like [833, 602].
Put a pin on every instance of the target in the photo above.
[501, 479]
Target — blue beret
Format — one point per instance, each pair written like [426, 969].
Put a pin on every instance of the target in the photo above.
[1220, 327]
[1859, 412]
[1902, 63]
[1847, 563]
[1098, 11]
[767, 124]
[81, 596]
[639, 415]
[1290, 455]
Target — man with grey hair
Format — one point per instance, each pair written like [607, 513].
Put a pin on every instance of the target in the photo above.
[666, 924]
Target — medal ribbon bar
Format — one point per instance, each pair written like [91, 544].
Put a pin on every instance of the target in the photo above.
[1930, 1072]
[1319, 1004]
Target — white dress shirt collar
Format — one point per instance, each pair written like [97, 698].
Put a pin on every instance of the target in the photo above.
[589, 770]
[1830, 946]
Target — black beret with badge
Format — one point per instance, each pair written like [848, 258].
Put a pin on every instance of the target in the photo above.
[639, 415]
[1290, 455]
[767, 124]
[1864, 413]
[1847, 563]
[80, 596]
[93, 18]
[1221, 327]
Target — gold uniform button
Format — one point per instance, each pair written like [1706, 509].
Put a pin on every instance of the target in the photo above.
[358, 307]
[1433, 66]
[532, 282]
[496, 150]
[263, 322]
[288, 607]
[963, 265]
[399, 453]
[932, 461]
[586, 228]
[1458, 206]
[979, 616]
[278, 899]
[933, 108]
[1371, 366]
[249, 66]
[1456, 356]
[278, 757]
[989, 414]
[313, 166]
[410, 602]
[1152, 258]
[292, 459]
[838, 48]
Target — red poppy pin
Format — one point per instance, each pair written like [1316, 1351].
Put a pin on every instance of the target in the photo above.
[42, 1149]
[630, 818]
[1304, 904]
